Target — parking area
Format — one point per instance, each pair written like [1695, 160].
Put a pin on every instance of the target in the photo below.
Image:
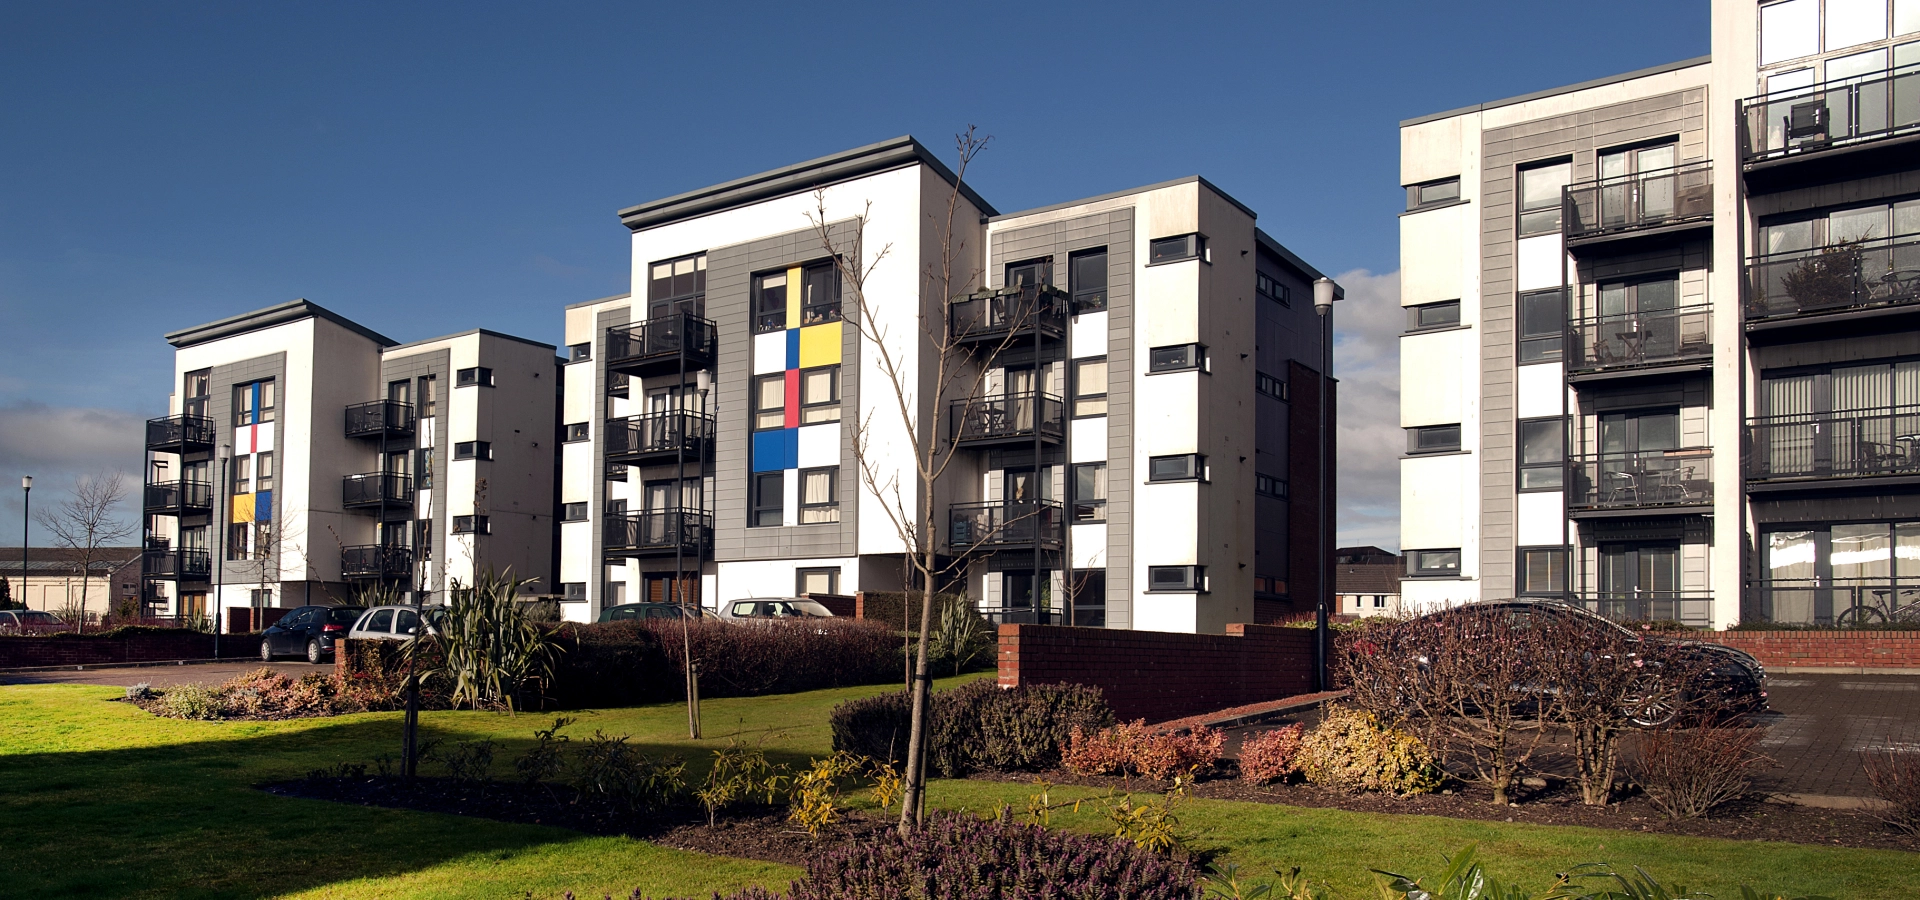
[160, 675]
[1820, 724]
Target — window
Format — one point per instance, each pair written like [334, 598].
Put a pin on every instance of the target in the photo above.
[1433, 563]
[767, 489]
[1540, 196]
[573, 512]
[1433, 193]
[423, 539]
[1087, 271]
[1543, 572]
[1543, 325]
[253, 402]
[769, 302]
[243, 474]
[1087, 591]
[1789, 30]
[1090, 492]
[426, 468]
[573, 590]
[1542, 453]
[1176, 358]
[1090, 387]
[616, 472]
[238, 535]
[473, 450]
[816, 581]
[577, 431]
[198, 389]
[1272, 290]
[1433, 315]
[1185, 467]
[1269, 385]
[677, 286]
[1433, 439]
[579, 352]
[429, 396]
[770, 401]
[820, 395]
[1032, 273]
[470, 525]
[819, 495]
[1176, 249]
[1176, 578]
[820, 293]
[479, 376]
[1854, 22]
[263, 472]
[1269, 486]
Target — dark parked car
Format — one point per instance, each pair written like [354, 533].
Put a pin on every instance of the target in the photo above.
[310, 630]
[626, 611]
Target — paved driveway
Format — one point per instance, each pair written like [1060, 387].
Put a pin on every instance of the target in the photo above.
[1821, 723]
[159, 675]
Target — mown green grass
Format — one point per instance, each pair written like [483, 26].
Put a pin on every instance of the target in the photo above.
[99, 799]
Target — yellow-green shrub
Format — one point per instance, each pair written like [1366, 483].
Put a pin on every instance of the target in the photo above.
[1352, 749]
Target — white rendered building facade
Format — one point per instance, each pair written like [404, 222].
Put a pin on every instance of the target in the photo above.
[1662, 356]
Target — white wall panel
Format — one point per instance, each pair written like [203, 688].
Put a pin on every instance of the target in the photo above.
[1540, 390]
[1166, 414]
[1431, 508]
[1090, 546]
[769, 353]
[1169, 513]
[777, 577]
[819, 446]
[1431, 374]
[1537, 263]
[576, 552]
[1089, 439]
[1421, 596]
[1542, 519]
[1090, 335]
[576, 472]
[1169, 307]
[578, 402]
[1433, 254]
[1166, 612]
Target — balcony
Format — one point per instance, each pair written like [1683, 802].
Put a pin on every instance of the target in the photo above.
[181, 564]
[180, 434]
[375, 489]
[1783, 451]
[376, 562]
[658, 437]
[1007, 523]
[1640, 343]
[1007, 420]
[1008, 315]
[1662, 201]
[179, 498]
[1846, 602]
[1648, 482]
[1687, 607]
[687, 533]
[1871, 277]
[1832, 120]
[662, 345]
[380, 419]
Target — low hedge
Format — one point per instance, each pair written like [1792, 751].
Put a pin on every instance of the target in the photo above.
[635, 662]
[975, 726]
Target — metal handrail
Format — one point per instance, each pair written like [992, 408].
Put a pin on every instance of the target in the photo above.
[379, 417]
[1637, 605]
[1007, 416]
[1007, 311]
[1624, 203]
[1005, 522]
[1847, 275]
[1640, 480]
[1845, 444]
[660, 530]
[1837, 113]
[372, 488]
[168, 430]
[661, 337]
[375, 561]
[1637, 339]
[675, 430]
[180, 494]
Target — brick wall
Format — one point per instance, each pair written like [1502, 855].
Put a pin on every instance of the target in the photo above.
[1158, 676]
[1827, 649]
[88, 650]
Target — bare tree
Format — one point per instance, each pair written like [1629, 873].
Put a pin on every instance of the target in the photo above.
[88, 521]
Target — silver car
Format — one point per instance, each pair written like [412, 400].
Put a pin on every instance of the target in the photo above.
[755, 608]
[394, 623]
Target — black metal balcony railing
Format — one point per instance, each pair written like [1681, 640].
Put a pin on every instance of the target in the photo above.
[179, 497]
[1855, 444]
[662, 339]
[376, 561]
[374, 488]
[1014, 523]
[1850, 275]
[1689, 607]
[1847, 602]
[184, 433]
[661, 533]
[670, 433]
[179, 564]
[1007, 418]
[1836, 114]
[1649, 479]
[379, 418]
[1640, 339]
[1642, 200]
[996, 315]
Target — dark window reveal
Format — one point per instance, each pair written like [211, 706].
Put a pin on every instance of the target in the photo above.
[1088, 274]
[1433, 315]
[1433, 439]
[1433, 193]
[1175, 249]
[1543, 322]
[1185, 467]
[1176, 578]
[1177, 358]
[1433, 562]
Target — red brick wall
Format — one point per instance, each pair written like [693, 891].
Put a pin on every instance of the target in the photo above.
[1827, 649]
[77, 650]
[1157, 675]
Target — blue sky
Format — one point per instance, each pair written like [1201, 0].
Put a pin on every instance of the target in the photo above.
[427, 168]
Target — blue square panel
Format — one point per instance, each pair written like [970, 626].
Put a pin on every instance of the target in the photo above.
[793, 348]
[774, 451]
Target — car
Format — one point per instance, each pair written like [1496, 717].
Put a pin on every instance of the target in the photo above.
[774, 608]
[309, 629]
[29, 621]
[629, 611]
[394, 623]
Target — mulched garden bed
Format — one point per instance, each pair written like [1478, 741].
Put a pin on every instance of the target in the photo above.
[762, 834]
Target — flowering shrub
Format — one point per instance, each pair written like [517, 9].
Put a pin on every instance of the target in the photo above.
[1273, 755]
[1352, 749]
[1134, 749]
[1108, 751]
[266, 694]
[978, 725]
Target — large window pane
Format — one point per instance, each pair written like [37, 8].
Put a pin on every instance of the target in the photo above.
[1857, 224]
[1861, 551]
[1851, 22]
[1790, 555]
[1789, 30]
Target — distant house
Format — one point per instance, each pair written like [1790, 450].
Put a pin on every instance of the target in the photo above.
[53, 577]
[1366, 581]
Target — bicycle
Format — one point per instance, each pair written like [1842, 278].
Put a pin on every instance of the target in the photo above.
[1882, 611]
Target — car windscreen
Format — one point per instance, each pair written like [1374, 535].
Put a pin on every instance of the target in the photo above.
[811, 608]
[344, 615]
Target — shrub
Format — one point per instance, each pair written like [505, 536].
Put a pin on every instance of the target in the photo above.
[739, 774]
[975, 726]
[1895, 776]
[1134, 749]
[1351, 749]
[1108, 751]
[469, 761]
[611, 771]
[487, 650]
[876, 726]
[1686, 772]
[192, 701]
[1273, 755]
[636, 662]
[543, 760]
[815, 801]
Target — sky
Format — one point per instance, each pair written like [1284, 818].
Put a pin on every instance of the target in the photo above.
[428, 168]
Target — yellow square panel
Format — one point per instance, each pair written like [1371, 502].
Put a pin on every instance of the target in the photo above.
[243, 507]
[793, 297]
[820, 345]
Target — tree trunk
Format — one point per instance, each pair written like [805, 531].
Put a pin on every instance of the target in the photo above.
[913, 800]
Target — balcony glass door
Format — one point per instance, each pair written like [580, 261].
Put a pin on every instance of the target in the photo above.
[1637, 199]
[1640, 581]
[1845, 574]
[1018, 386]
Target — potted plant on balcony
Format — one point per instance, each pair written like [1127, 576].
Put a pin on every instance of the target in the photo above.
[1827, 279]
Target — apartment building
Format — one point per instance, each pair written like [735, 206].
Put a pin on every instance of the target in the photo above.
[1133, 417]
[306, 457]
[1663, 330]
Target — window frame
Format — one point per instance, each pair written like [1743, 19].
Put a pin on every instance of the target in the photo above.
[1416, 314]
[1096, 507]
[479, 451]
[1073, 368]
[473, 376]
[1268, 385]
[1522, 467]
[833, 495]
[779, 378]
[577, 432]
[800, 580]
[769, 320]
[1522, 337]
[1417, 567]
[579, 352]
[1416, 434]
[1271, 288]
[834, 309]
[471, 524]
[669, 295]
[827, 410]
[1196, 468]
[1194, 359]
[1417, 194]
[1084, 299]
[1270, 486]
[573, 512]
[1193, 246]
[757, 501]
[254, 413]
[1523, 571]
[1522, 212]
[1194, 580]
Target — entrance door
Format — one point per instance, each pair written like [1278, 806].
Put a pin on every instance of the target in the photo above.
[1640, 581]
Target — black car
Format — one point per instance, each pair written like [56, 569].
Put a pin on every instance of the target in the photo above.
[308, 629]
[626, 611]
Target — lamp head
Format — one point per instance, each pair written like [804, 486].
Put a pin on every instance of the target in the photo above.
[226, 451]
[26, 482]
[1325, 291]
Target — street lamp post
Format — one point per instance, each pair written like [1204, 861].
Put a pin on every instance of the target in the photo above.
[26, 532]
[1325, 291]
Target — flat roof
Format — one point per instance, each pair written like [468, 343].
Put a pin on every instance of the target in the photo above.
[460, 334]
[625, 296]
[1551, 92]
[278, 314]
[799, 177]
[1267, 243]
[1118, 194]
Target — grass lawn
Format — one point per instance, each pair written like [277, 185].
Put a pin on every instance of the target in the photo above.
[101, 799]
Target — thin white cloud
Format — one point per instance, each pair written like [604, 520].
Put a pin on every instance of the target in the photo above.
[56, 444]
[1366, 359]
